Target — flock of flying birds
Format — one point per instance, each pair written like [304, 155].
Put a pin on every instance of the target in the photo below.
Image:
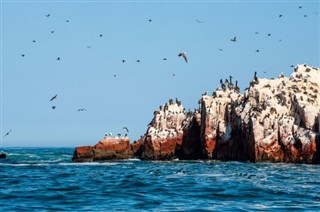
[180, 54]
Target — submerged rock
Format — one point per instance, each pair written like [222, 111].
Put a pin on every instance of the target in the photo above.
[275, 120]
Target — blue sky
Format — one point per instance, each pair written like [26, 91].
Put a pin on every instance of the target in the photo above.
[84, 75]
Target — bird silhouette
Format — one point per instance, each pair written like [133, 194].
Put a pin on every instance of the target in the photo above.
[125, 128]
[234, 39]
[280, 16]
[149, 20]
[34, 41]
[48, 15]
[82, 109]
[138, 61]
[305, 16]
[114, 75]
[257, 50]
[269, 34]
[54, 97]
[7, 133]
[123, 61]
[67, 21]
[52, 32]
[101, 35]
[58, 58]
[23, 55]
[220, 49]
[200, 22]
[164, 58]
[173, 75]
[300, 7]
[53, 107]
[183, 54]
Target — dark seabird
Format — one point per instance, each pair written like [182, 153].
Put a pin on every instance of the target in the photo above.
[300, 7]
[123, 61]
[164, 59]
[138, 61]
[54, 97]
[125, 128]
[114, 75]
[305, 16]
[280, 16]
[269, 34]
[149, 20]
[23, 55]
[257, 50]
[67, 21]
[34, 41]
[101, 35]
[48, 15]
[200, 22]
[256, 33]
[82, 109]
[183, 54]
[7, 133]
[88, 47]
[52, 32]
[58, 58]
[220, 49]
[53, 107]
[173, 75]
[234, 39]
[255, 76]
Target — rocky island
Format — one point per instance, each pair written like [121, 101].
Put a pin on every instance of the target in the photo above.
[275, 120]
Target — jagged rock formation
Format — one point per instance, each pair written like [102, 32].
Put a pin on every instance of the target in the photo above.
[275, 120]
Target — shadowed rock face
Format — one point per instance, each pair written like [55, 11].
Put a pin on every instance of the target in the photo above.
[275, 120]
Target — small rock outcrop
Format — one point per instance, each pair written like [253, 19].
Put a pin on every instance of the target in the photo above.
[276, 120]
[108, 148]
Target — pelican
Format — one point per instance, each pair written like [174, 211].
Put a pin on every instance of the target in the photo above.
[183, 54]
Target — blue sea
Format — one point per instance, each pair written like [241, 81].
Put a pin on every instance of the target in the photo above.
[45, 179]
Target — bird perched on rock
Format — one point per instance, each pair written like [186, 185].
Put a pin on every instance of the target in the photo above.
[54, 97]
[255, 76]
[183, 54]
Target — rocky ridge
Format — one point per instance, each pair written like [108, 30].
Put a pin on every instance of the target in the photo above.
[275, 120]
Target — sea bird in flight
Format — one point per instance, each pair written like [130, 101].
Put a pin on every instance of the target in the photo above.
[183, 54]
[7, 133]
[54, 97]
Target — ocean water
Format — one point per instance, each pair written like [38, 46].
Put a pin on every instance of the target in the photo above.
[45, 179]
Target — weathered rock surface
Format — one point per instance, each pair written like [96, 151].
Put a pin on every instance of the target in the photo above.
[106, 149]
[275, 120]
